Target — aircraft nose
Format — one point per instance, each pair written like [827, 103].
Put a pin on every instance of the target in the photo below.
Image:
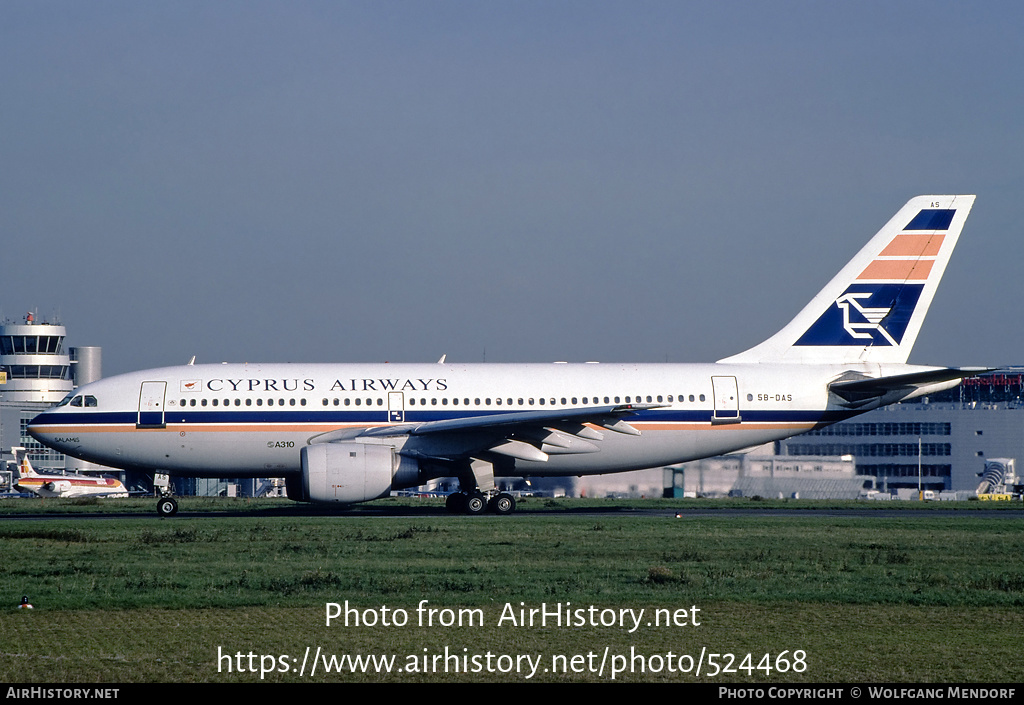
[39, 429]
[35, 425]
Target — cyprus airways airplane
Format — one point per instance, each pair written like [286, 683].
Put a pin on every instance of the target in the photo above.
[354, 432]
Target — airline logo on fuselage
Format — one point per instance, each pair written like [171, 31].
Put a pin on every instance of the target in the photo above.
[364, 384]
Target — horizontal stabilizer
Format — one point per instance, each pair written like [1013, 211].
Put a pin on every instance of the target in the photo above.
[863, 389]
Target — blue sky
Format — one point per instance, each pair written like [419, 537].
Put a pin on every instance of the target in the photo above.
[509, 181]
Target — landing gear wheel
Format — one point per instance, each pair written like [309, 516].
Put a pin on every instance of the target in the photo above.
[503, 503]
[476, 503]
[456, 503]
[166, 507]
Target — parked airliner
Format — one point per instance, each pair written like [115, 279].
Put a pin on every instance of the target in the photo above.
[350, 433]
[68, 485]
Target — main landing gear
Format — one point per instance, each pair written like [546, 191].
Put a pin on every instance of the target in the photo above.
[479, 494]
[477, 503]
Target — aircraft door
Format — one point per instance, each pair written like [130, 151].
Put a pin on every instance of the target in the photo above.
[727, 400]
[396, 407]
[151, 405]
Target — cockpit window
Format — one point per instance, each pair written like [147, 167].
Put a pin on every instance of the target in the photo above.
[78, 400]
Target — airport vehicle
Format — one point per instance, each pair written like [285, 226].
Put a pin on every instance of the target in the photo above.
[354, 432]
[67, 485]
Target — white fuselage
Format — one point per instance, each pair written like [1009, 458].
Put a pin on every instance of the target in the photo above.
[241, 420]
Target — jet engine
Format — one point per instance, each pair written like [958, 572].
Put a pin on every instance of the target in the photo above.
[349, 472]
[58, 486]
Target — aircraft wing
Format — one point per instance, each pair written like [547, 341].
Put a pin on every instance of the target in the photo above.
[527, 435]
[862, 390]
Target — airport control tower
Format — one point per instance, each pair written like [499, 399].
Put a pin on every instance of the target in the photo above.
[37, 370]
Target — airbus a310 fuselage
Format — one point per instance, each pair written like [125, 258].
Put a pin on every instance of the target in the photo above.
[354, 432]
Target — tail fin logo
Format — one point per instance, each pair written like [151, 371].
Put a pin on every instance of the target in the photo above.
[866, 314]
[873, 316]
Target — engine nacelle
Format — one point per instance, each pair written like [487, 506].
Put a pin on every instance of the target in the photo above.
[349, 472]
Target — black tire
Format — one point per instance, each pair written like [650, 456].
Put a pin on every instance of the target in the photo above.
[476, 503]
[504, 503]
[166, 507]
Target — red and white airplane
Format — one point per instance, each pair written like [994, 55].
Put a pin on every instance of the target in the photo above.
[70, 485]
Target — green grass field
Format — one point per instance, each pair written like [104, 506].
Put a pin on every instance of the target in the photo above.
[869, 598]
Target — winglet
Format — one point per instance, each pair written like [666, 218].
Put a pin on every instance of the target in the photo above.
[873, 309]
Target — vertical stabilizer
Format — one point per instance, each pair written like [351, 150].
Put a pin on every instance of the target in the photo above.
[873, 309]
[22, 465]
